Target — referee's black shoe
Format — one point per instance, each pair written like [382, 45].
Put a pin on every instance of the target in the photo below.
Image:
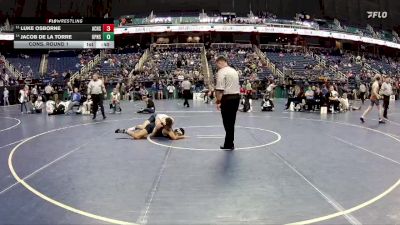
[227, 148]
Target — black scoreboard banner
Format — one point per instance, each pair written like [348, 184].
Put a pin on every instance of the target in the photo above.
[64, 33]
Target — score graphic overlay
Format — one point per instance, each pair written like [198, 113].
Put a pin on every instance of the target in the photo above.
[81, 33]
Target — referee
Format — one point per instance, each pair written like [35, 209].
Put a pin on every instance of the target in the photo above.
[228, 98]
[186, 86]
[97, 90]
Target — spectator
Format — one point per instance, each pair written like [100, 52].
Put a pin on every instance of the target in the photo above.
[333, 104]
[48, 91]
[34, 93]
[38, 105]
[363, 90]
[23, 98]
[386, 92]
[5, 97]
[319, 99]
[309, 98]
[344, 103]
[171, 91]
[115, 101]
[150, 108]
[76, 98]
[86, 108]
[160, 91]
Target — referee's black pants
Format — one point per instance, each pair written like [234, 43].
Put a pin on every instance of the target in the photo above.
[186, 96]
[229, 107]
[386, 100]
[97, 101]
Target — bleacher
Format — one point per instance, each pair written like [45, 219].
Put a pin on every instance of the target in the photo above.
[63, 61]
[28, 65]
[242, 58]
[68, 61]
[172, 61]
[385, 66]
[344, 64]
[295, 62]
[118, 61]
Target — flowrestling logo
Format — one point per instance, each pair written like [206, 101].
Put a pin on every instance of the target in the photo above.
[377, 14]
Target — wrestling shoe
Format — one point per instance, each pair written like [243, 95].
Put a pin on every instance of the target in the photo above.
[120, 131]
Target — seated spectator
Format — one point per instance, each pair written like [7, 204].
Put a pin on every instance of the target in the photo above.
[115, 101]
[333, 100]
[299, 101]
[309, 95]
[86, 108]
[150, 108]
[54, 107]
[76, 98]
[267, 104]
[246, 103]
[344, 103]
[290, 94]
[38, 105]
[319, 99]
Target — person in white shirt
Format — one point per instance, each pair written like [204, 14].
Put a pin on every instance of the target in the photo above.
[186, 87]
[5, 96]
[344, 103]
[115, 101]
[23, 98]
[48, 91]
[34, 93]
[333, 103]
[97, 91]
[171, 90]
[86, 106]
[38, 105]
[386, 92]
[363, 90]
[227, 91]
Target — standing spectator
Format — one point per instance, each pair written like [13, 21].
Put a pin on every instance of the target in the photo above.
[153, 90]
[228, 98]
[248, 87]
[34, 93]
[363, 90]
[186, 86]
[160, 91]
[97, 90]
[5, 96]
[123, 92]
[386, 91]
[23, 98]
[171, 90]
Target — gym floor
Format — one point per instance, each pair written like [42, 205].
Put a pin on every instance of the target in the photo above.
[289, 167]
